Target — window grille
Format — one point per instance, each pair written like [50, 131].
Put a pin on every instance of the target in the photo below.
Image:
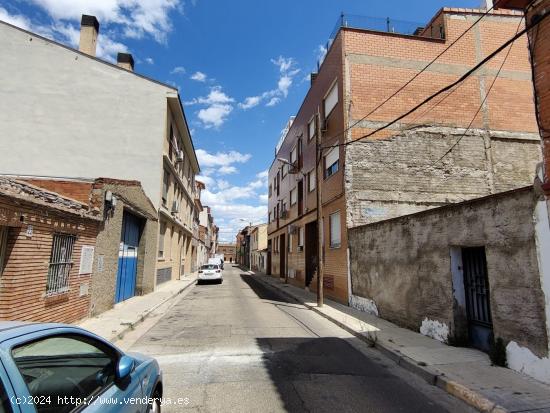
[60, 263]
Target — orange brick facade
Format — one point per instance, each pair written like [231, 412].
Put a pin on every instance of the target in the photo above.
[23, 282]
[368, 67]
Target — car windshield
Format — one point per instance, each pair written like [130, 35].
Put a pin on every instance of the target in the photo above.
[209, 267]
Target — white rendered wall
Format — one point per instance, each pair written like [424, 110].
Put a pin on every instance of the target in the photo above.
[64, 114]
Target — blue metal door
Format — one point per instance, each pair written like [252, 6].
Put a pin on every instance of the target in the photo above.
[127, 257]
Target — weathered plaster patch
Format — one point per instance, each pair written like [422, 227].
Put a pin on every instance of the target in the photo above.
[523, 360]
[542, 238]
[435, 329]
[363, 304]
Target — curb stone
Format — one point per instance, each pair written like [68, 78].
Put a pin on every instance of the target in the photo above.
[467, 395]
[132, 325]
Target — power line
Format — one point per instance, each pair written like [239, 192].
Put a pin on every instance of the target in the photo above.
[417, 74]
[482, 102]
[448, 87]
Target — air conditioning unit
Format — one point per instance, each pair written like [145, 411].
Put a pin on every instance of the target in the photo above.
[292, 229]
[179, 156]
[175, 207]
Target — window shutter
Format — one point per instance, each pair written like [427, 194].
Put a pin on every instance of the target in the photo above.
[331, 100]
[332, 157]
[335, 230]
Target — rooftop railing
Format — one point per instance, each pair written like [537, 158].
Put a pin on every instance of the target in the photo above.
[378, 24]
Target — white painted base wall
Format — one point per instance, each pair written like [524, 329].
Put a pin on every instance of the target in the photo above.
[435, 329]
[523, 360]
[363, 304]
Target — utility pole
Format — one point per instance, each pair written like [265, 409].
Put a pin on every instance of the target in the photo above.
[318, 184]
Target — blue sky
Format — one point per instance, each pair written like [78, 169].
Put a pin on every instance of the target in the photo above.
[242, 69]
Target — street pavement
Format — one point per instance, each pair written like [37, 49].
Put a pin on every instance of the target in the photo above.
[242, 347]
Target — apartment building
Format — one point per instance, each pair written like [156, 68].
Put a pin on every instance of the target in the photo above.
[208, 233]
[92, 118]
[478, 139]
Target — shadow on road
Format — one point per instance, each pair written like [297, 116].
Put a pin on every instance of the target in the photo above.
[328, 374]
[263, 292]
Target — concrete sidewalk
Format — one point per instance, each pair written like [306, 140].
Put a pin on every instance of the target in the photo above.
[113, 324]
[463, 372]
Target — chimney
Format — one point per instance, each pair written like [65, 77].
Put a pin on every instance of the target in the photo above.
[89, 29]
[126, 61]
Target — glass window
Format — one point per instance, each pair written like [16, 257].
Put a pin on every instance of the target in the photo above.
[293, 196]
[335, 239]
[311, 180]
[311, 128]
[165, 185]
[293, 155]
[332, 162]
[301, 237]
[63, 366]
[162, 234]
[331, 100]
[5, 406]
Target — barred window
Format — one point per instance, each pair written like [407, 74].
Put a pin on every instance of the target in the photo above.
[60, 263]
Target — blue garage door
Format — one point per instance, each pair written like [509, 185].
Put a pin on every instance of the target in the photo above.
[127, 257]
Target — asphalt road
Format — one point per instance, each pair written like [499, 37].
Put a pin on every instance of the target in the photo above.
[240, 347]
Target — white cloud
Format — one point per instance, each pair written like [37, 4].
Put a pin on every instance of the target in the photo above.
[234, 206]
[219, 107]
[135, 18]
[222, 184]
[321, 52]
[287, 72]
[15, 19]
[178, 70]
[284, 63]
[149, 60]
[227, 170]
[199, 77]
[207, 159]
[250, 102]
[273, 101]
[263, 174]
[66, 33]
[214, 116]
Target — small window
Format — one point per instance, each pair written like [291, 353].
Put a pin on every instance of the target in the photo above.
[61, 262]
[162, 234]
[165, 186]
[311, 179]
[301, 237]
[290, 242]
[269, 217]
[293, 197]
[293, 154]
[65, 369]
[3, 247]
[331, 100]
[311, 128]
[332, 162]
[335, 238]
[270, 190]
[284, 169]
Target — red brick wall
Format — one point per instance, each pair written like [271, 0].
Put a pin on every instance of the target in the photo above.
[540, 55]
[381, 63]
[79, 191]
[23, 282]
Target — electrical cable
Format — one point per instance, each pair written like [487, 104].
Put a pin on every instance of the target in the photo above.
[448, 87]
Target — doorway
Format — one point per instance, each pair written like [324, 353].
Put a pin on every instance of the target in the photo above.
[128, 257]
[478, 306]
[282, 256]
[310, 251]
